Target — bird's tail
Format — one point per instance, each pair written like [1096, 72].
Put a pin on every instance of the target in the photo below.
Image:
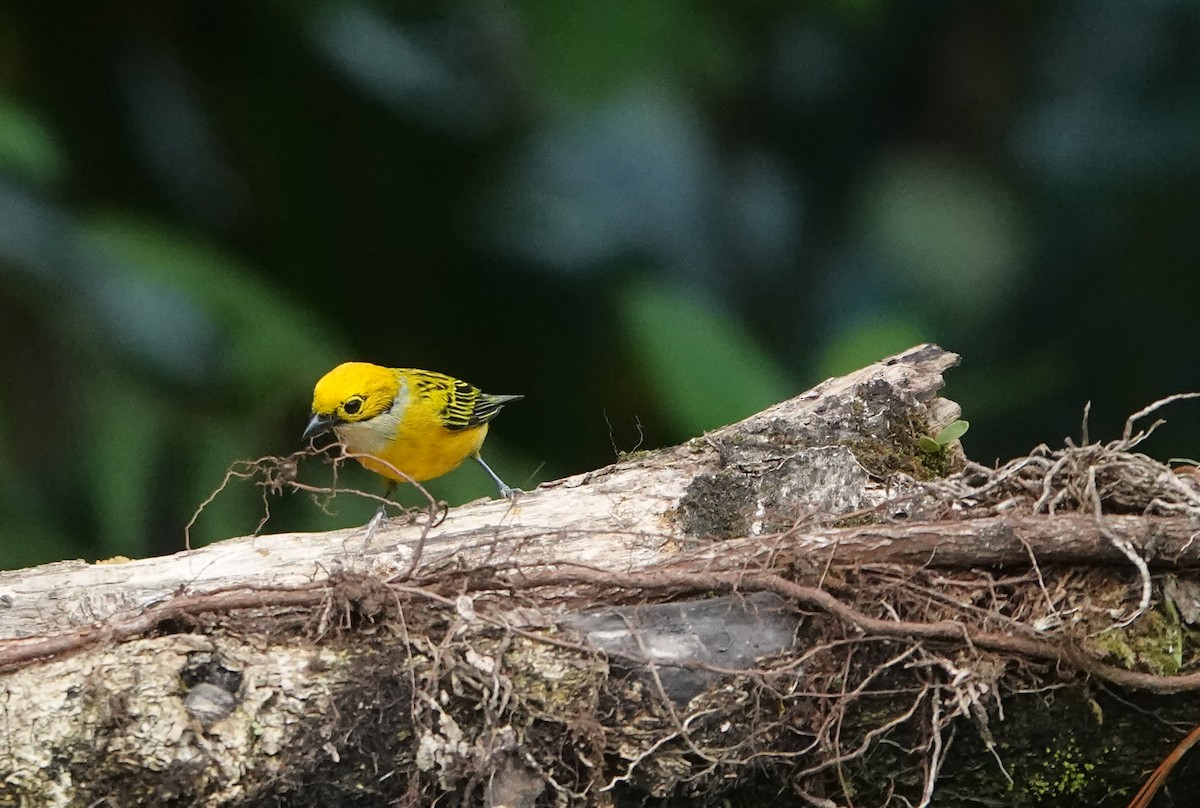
[487, 407]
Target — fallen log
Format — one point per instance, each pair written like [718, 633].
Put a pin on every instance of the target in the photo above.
[807, 605]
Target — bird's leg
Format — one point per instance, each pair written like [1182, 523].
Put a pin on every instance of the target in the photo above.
[380, 515]
[372, 526]
[506, 491]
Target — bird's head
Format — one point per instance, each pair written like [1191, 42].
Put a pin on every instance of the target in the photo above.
[351, 392]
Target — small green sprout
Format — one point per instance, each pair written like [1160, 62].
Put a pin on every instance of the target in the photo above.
[946, 436]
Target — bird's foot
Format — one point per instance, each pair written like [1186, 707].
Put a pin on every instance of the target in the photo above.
[509, 493]
[373, 526]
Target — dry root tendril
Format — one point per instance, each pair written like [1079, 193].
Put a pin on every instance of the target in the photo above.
[276, 476]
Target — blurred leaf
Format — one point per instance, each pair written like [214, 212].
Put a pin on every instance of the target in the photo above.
[634, 175]
[938, 221]
[28, 535]
[422, 68]
[26, 145]
[861, 345]
[40, 543]
[705, 368]
[590, 50]
[274, 348]
[160, 326]
[126, 426]
[928, 444]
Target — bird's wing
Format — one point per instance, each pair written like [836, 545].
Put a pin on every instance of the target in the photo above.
[460, 405]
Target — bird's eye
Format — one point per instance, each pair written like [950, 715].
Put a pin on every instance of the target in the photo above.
[352, 406]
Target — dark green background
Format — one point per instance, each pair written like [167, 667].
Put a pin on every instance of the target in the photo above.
[651, 218]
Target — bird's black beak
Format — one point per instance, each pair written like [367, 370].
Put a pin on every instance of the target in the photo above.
[318, 424]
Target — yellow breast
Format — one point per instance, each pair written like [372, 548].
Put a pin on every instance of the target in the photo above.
[410, 438]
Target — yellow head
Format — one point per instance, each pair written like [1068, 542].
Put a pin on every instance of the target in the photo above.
[351, 392]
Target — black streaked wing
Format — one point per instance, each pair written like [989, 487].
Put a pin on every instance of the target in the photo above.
[465, 406]
[461, 400]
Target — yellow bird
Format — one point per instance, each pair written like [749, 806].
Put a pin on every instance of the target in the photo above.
[418, 422]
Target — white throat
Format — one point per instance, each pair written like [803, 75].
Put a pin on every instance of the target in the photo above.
[375, 434]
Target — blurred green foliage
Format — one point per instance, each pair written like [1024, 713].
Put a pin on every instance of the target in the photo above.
[702, 366]
[26, 148]
[649, 218]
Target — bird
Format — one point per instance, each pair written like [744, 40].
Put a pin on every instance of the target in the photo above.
[404, 423]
